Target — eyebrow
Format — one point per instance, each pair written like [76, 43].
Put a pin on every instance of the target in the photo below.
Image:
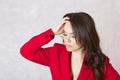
[66, 32]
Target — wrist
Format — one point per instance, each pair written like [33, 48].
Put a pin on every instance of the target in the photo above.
[53, 31]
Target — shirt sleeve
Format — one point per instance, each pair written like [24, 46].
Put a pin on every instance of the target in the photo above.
[33, 51]
[110, 73]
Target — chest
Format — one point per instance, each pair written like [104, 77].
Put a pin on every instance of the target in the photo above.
[76, 65]
[63, 68]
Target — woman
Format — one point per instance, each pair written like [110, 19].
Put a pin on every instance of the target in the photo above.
[79, 58]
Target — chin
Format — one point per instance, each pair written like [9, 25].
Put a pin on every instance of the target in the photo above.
[68, 49]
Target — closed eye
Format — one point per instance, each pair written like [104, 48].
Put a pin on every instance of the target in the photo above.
[64, 34]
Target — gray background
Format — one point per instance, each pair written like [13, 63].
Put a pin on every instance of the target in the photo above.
[22, 19]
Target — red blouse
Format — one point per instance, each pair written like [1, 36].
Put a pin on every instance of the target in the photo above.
[57, 58]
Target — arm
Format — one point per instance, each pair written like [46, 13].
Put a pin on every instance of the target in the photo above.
[32, 50]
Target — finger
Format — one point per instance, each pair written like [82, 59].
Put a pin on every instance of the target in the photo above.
[66, 19]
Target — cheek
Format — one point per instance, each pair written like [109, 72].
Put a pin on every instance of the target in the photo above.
[76, 44]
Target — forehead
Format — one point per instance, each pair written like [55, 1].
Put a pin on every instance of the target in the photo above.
[68, 27]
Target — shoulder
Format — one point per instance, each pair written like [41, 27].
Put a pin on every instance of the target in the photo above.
[107, 60]
[59, 45]
[108, 68]
[109, 71]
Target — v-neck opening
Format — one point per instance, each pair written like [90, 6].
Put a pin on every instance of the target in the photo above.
[80, 71]
[70, 67]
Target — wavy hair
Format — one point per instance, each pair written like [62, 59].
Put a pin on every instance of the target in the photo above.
[85, 31]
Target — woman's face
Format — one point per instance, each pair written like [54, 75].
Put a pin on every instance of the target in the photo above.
[69, 38]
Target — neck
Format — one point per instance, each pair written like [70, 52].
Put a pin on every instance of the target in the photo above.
[78, 54]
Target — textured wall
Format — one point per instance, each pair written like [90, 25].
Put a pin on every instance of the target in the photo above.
[21, 19]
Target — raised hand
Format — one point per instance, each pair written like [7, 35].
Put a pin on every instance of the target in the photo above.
[59, 29]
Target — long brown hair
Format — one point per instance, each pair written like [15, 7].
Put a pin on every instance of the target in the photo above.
[84, 29]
